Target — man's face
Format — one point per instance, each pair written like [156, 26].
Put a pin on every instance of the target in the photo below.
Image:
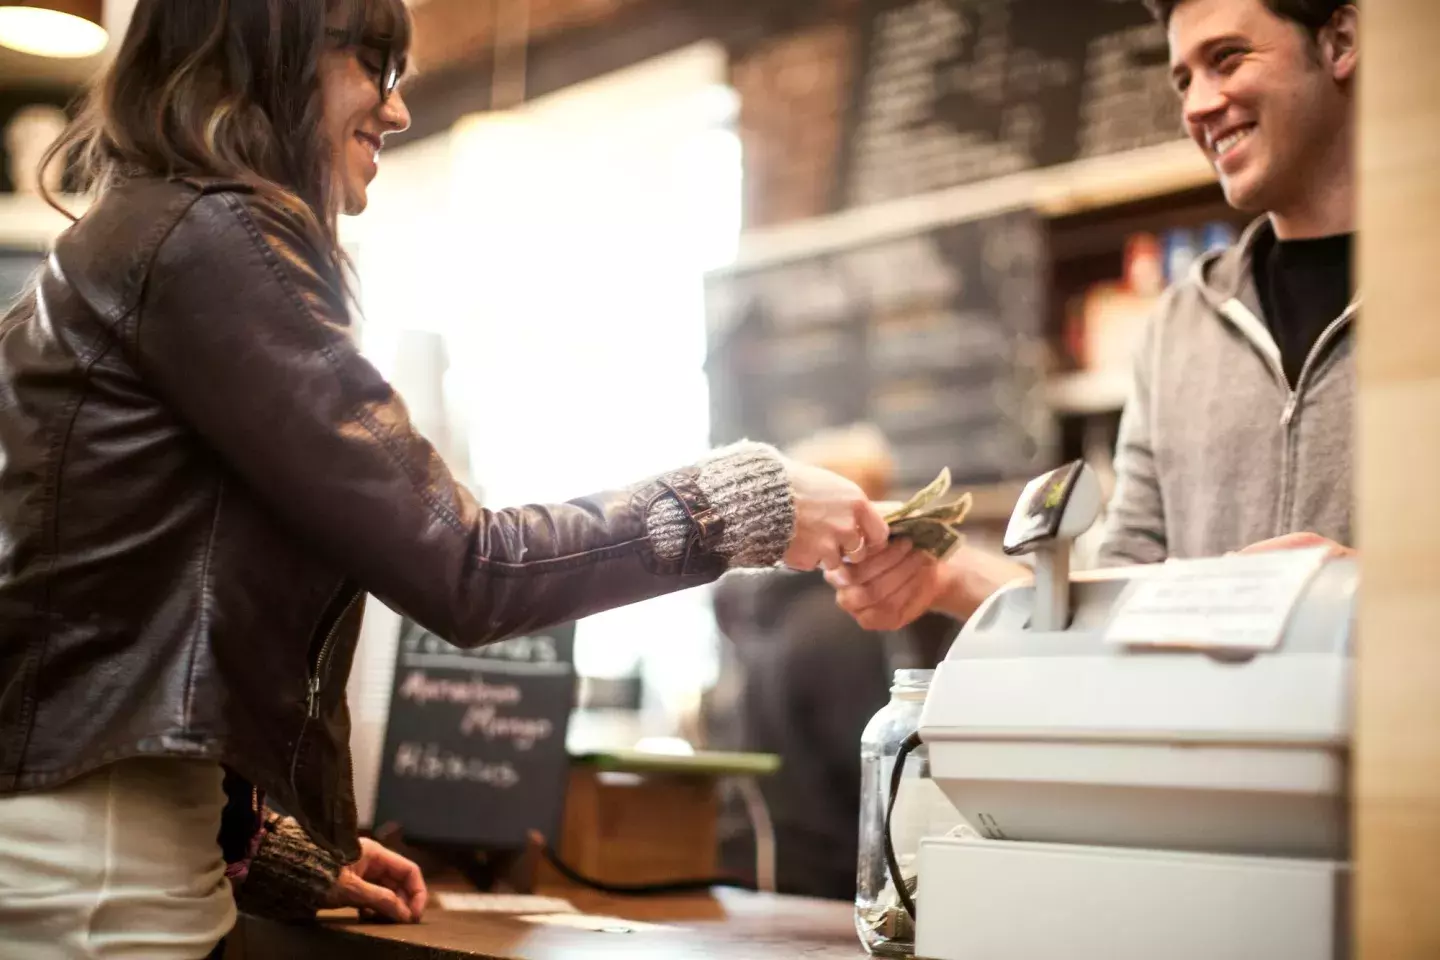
[1258, 96]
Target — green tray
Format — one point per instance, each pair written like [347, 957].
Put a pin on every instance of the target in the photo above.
[705, 763]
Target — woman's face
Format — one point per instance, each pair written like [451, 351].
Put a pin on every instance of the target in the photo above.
[356, 121]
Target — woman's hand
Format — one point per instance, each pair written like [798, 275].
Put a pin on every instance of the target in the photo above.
[381, 884]
[834, 520]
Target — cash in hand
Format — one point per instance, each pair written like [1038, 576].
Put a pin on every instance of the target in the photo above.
[928, 524]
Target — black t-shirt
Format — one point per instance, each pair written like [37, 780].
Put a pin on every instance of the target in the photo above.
[1304, 285]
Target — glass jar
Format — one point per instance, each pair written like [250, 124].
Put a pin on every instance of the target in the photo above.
[921, 810]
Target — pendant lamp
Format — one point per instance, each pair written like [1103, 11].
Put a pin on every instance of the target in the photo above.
[53, 28]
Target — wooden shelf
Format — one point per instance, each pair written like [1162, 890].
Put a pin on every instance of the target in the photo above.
[1088, 392]
[1060, 191]
[1123, 178]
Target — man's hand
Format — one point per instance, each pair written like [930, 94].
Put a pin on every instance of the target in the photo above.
[381, 884]
[1300, 541]
[893, 588]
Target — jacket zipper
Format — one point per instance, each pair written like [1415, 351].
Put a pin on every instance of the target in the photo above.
[312, 705]
[312, 698]
[1292, 406]
[312, 701]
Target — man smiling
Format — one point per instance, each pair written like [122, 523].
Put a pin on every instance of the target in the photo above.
[1237, 434]
[1240, 424]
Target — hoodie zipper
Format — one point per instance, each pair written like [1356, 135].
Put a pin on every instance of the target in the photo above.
[312, 706]
[1255, 331]
[1292, 407]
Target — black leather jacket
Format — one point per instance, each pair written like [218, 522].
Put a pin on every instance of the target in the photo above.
[199, 479]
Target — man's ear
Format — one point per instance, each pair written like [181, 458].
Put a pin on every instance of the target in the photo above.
[1340, 43]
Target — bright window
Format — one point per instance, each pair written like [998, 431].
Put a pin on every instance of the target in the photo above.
[559, 254]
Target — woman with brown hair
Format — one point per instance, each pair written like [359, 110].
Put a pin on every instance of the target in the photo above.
[200, 478]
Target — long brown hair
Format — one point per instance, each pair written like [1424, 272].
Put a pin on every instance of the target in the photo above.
[230, 89]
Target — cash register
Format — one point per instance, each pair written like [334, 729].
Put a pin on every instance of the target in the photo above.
[1150, 761]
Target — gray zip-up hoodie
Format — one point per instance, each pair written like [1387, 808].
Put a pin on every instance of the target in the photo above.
[1216, 451]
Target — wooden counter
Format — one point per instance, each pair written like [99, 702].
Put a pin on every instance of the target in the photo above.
[726, 925]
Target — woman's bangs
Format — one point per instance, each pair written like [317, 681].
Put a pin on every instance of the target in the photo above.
[380, 25]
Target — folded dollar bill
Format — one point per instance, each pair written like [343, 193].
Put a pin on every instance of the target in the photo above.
[929, 524]
[933, 491]
[932, 536]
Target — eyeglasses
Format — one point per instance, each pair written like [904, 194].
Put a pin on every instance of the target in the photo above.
[386, 72]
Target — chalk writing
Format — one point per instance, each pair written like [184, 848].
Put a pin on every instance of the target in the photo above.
[424, 689]
[430, 761]
[523, 732]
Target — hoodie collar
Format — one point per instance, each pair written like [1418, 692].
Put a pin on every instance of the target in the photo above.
[1226, 281]
[1224, 275]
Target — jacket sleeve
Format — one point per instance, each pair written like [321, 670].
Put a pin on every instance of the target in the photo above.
[242, 335]
[1135, 520]
[289, 877]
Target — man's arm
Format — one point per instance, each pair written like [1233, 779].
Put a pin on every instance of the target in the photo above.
[971, 576]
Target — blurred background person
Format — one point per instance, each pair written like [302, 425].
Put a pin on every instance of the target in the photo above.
[800, 679]
[27, 136]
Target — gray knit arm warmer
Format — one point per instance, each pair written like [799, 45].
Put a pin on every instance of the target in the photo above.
[289, 877]
[747, 485]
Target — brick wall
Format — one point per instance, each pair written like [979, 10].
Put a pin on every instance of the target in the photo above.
[793, 88]
[794, 93]
[452, 32]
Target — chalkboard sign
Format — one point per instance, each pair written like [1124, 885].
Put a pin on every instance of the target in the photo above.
[935, 337]
[475, 742]
[956, 91]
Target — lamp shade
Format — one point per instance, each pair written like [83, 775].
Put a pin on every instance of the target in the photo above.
[53, 28]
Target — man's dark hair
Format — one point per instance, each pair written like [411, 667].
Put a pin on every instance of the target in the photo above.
[1310, 14]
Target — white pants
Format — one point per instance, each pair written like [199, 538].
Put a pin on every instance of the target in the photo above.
[123, 863]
